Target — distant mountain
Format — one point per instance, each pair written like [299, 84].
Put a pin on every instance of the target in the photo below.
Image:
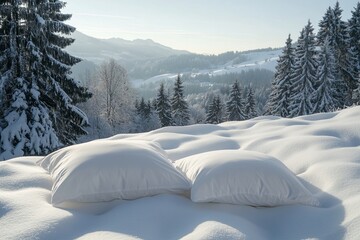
[96, 50]
[146, 60]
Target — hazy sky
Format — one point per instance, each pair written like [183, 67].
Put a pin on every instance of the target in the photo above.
[201, 26]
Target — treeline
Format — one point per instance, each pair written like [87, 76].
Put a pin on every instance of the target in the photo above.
[182, 63]
[200, 83]
[320, 73]
[175, 111]
[116, 108]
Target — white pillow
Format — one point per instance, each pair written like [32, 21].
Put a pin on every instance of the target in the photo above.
[104, 170]
[243, 177]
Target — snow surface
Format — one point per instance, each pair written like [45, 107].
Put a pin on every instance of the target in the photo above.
[323, 150]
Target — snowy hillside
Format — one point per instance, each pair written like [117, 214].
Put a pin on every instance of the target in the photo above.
[147, 61]
[266, 59]
[322, 151]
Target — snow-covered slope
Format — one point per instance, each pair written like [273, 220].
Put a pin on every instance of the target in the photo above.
[323, 150]
[256, 60]
[266, 59]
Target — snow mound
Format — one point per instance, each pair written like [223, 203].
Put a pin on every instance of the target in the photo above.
[243, 177]
[322, 150]
[105, 170]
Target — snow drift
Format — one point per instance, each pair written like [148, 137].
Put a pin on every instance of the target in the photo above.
[322, 150]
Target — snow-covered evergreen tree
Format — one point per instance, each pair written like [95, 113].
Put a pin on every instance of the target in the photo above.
[141, 108]
[215, 112]
[180, 108]
[303, 76]
[48, 36]
[326, 27]
[250, 105]
[356, 95]
[235, 105]
[37, 93]
[327, 97]
[269, 102]
[146, 118]
[153, 121]
[334, 30]
[354, 32]
[163, 107]
[278, 102]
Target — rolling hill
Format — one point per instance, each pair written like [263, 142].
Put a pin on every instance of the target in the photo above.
[146, 59]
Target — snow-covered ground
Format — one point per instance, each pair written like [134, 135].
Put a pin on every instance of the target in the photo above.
[323, 150]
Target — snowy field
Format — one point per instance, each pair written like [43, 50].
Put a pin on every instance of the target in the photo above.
[322, 150]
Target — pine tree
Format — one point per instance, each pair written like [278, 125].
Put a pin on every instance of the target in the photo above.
[147, 110]
[235, 105]
[141, 108]
[336, 32]
[354, 33]
[250, 105]
[38, 96]
[215, 112]
[137, 106]
[280, 92]
[153, 119]
[145, 118]
[356, 98]
[326, 28]
[180, 108]
[163, 107]
[303, 76]
[59, 90]
[327, 97]
[268, 108]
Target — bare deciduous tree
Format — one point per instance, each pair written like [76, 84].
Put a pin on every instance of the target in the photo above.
[116, 91]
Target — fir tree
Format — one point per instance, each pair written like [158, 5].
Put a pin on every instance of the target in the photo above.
[180, 108]
[270, 101]
[326, 27]
[327, 97]
[303, 76]
[141, 108]
[163, 107]
[280, 92]
[145, 118]
[38, 96]
[334, 30]
[354, 33]
[147, 110]
[235, 105]
[354, 30]
[137, 106]
[250, 105]
[356, 98]
[215, 112]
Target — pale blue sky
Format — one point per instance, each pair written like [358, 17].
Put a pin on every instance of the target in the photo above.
[201, 26]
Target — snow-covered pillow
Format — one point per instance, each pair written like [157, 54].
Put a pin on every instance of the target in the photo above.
[104, 170]
[243, 177]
